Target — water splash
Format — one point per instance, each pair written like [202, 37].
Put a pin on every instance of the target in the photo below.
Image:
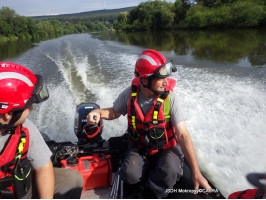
[226, 119]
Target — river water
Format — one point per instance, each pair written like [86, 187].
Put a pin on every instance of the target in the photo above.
[222, 90]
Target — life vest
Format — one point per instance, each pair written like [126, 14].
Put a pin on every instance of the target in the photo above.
[153, 132]
[14, 166]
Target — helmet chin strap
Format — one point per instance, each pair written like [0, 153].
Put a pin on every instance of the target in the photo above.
[10, 126]
[150, 78]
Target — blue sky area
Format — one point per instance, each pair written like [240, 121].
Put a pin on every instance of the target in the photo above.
[55, 7]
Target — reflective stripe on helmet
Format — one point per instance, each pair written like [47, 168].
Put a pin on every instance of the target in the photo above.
[148, 58]
[5, 75]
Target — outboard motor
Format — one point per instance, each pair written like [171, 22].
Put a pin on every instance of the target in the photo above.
[86, 133]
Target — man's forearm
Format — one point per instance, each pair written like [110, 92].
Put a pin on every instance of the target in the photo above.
[187, 148]
[45, 181]
[108, 114]
[190, 154]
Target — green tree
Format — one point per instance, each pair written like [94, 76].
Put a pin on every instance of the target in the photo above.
[234, 13]
[121, 21]
[248, 13]
[146, 16]
[180, 11]
[5, 28]
[164, 19]
[214, 3]
[8, 15]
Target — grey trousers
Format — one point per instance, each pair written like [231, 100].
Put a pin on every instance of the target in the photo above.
[68, 185]
[165, 170]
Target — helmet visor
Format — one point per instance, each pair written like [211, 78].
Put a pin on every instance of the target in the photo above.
[40, 92]
[165, 70]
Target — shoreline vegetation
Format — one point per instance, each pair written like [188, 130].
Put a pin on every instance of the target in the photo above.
[150, 15]
[14, 26]
[201, 14]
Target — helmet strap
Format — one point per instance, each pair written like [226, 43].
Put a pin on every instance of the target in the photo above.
[148, 86]
[10, 126]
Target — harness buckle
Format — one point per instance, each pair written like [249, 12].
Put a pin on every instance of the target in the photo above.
[155, 122]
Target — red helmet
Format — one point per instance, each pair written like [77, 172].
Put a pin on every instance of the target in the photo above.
[19, 87]
[147, 63]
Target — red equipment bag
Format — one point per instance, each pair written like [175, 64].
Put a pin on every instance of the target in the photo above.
[246, 194]
[96, 170]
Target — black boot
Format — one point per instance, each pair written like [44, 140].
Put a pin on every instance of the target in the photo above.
[149, 194]
[133, 191]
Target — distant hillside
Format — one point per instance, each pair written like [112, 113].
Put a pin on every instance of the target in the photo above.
[89, 13]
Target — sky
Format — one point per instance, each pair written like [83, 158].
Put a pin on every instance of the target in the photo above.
[55, 7]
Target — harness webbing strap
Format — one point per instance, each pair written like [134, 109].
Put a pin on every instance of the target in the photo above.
[21, 144]
[160, 100]
[155, 115]
[157, 107]
[145, 123]
[134, 122]
[166, 109]
[132, 110]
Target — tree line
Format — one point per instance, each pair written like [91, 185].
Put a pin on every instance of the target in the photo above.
[14, 26]
[161, 15]
[150, 15]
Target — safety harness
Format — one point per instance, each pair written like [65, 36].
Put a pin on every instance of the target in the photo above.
[154, 131]
[15, 168]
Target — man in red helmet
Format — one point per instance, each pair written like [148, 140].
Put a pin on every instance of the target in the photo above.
[21, 144]
[156, 129]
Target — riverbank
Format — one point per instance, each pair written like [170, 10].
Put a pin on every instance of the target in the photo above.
[214, 14]
[4, 39]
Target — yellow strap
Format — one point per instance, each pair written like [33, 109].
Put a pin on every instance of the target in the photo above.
[134, 122]
[160, 100]
[21, 145]
[155, 115]
[166, 109]
[133, 94]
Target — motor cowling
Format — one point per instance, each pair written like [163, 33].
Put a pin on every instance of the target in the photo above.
[86, 133]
